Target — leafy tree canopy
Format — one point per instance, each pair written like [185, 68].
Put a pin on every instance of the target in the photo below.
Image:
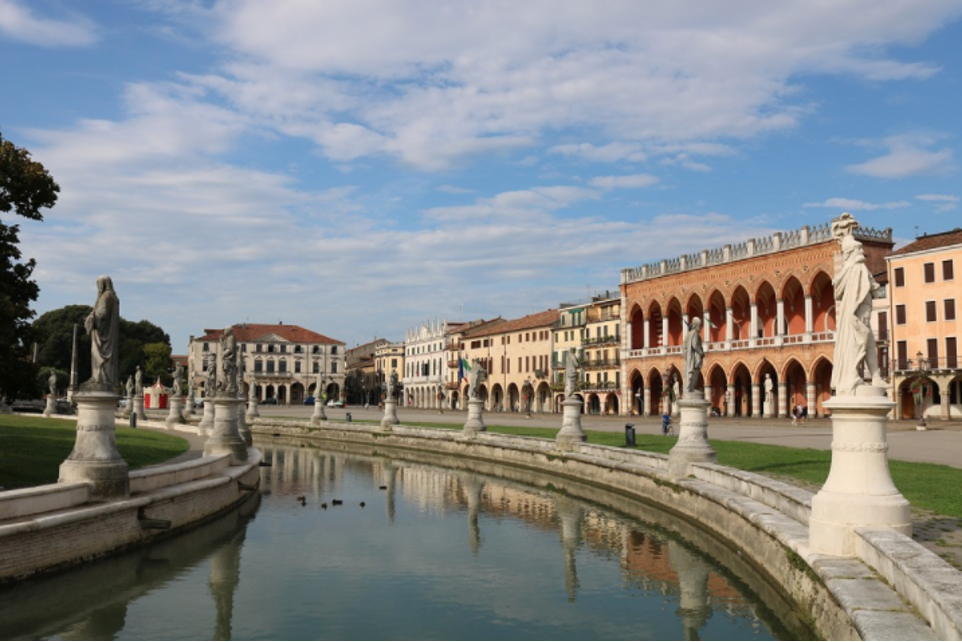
[25, 188]
[54, 332]
[157, 363]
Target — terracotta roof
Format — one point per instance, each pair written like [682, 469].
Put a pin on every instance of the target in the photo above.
[932, 242]
[247, 332]
[536, 320]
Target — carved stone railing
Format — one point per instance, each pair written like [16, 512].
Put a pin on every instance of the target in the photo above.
[776, 242]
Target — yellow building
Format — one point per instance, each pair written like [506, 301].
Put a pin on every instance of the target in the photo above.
[923, 294]
[517, 356]
[388, 358]
[602, 356]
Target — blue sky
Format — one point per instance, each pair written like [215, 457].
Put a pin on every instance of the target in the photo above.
[358, 168]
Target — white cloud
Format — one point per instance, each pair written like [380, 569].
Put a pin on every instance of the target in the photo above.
[433, 87]
[18, 22]
[633, 181]
[838, 203]
[938, 197]
[908, 156]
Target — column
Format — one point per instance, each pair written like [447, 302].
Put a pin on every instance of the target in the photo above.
[664, 330]
[647, 338]
[781, 402]
[707, 393]
[706, 327]
[756, 401]
[809, 321]
[945, 389]
[731, 400]
[647, 409]
[729, 322]
[684, 328]
[779, 317]
[810, 398]
[753, 326]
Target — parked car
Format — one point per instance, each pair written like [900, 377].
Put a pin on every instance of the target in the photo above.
[335, 403]
[309, 401]
[270, 401]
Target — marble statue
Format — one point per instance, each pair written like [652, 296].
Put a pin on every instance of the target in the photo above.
[476, 375]
[130, 386]
[694, 355]
[178, 376]
[103, 326]
[228, 357]
[138, 382]
[52, 384]
[571, 374]
[769, 386]
[252, 393]
[854, 290]
[392, 385]
[675, 388]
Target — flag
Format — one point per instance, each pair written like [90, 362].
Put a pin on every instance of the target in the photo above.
[462, 368]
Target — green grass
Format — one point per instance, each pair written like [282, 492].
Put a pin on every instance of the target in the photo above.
[32, 448]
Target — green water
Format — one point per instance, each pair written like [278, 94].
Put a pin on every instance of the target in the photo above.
[434, 553]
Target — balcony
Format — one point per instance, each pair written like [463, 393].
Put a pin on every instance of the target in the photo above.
[454, 363]
[602, 341]
[590, 364]
[933, 365]
[739, 344]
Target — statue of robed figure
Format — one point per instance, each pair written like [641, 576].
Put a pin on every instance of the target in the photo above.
[103, 326]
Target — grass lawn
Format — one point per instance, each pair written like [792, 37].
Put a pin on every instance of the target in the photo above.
[32, 448]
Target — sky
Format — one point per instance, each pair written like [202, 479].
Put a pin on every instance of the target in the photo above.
[362, 167]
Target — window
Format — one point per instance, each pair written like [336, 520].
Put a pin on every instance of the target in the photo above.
[206, 347]
[283, 348]
[334, 367]
[283, 365]
[298, 349]
[949, 309]
[933, 348]
[903, 356]
[316, 368]
[297, 366]
[951, 354]
[316, 350]
[948, 271]
[883, 326]
[270, 347]
[929, 269]
[930, 313]
[899, 277]
[270, 366]
[258, 366]
[900, 314]
[257, 348]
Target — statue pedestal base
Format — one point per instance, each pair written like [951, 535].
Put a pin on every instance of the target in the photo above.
[175, 416]
[859, 490]
[252, 411]
[225, 438]
[206, 424]
[390, 414]
[767, 410]
[128, 407]
[139, 407]
[188, 409]
[51, 407]
[475, 422]
[693, 445]
[95, 459]
[319, 414]
[571, 432]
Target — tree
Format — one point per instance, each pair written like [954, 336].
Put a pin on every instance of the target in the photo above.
[54, 332]
[157, 363]
[25, 188]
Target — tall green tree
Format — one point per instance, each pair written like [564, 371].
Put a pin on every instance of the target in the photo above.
[157, 363]
[25, 188]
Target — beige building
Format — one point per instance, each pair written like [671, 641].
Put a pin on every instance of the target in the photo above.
[361, 382]
[388, 358]
[517, 356]
[602, 356]
[284, 359]
[924, 294]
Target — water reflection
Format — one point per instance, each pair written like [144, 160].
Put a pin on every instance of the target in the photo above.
[479, 551]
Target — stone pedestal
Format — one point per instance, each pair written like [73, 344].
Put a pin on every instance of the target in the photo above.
[129, 407]
[319, 414]
[252, 411]
[188, 409]
[693, 445]
[225, 437]
[51, 407]
[174, 416]
[95, 459]
[571, 432]
[767, 410]
[390, 414]
[475, 422]
[206, 424]
[139, 407]
[859, 490]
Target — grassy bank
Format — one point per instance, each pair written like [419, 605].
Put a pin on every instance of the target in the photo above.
[32, 448]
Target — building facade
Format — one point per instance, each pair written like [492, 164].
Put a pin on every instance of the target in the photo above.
[361, 381]
[388, 358]
[768, 318]
[425, 365]
[923, 294]
[282, 361]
